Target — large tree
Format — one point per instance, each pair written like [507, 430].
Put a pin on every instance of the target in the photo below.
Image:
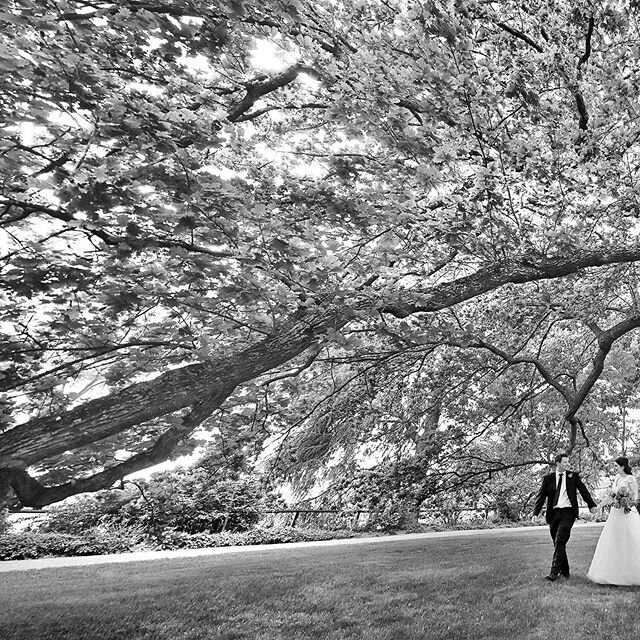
[199, 194]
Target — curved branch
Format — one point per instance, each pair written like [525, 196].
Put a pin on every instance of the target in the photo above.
[521, 36]
[292, 374]
[455, 479]
[33, 494]
[254, 114]
[108, 238]
[544, 372]
[587, 44]
[259, 89]
[100, 418]
[605, 342]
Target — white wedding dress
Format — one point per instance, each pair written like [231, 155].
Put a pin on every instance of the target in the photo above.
[617, 556]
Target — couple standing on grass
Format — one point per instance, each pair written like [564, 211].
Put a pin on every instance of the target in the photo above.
[617, 557]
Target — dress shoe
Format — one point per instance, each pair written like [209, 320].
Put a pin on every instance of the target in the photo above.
[552, 577]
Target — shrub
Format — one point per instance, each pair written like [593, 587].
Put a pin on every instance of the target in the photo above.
[393, 516]
[105, 540]
[95, 541]
[173, 539]
[192, 500]
[85, 512]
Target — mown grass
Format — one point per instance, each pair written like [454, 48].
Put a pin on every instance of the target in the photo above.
[487, 586]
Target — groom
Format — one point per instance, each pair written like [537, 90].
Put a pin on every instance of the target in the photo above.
[559, 490]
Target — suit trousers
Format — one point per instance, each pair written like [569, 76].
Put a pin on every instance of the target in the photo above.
[560, 528]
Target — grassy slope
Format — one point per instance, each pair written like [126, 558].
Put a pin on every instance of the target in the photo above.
[472, 587]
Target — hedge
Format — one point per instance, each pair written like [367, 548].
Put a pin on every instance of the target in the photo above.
[171, 539]
[25, 545]
[20, 546]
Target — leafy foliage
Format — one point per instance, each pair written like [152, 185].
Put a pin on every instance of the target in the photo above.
[102, 541]
[86, 512]
[189, 501]
[26, 545]
[211, 206]
[171, 539]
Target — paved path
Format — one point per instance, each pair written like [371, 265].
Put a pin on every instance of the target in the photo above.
[75, 561]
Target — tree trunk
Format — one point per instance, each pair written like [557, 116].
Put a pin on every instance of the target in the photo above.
[97, 419]
[205, 386]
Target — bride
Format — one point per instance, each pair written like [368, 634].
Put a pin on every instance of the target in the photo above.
[617, 556]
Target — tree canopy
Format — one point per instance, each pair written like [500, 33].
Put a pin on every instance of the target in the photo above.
[205, 203]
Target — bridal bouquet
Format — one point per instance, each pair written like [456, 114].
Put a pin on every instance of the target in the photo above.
[622, 499]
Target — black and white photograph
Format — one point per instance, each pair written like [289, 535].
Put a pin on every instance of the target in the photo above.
[319, 319]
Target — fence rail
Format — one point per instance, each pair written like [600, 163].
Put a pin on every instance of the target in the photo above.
[354, 515]
[351, 518]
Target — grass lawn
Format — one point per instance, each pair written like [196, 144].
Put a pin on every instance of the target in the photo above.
[477, 587]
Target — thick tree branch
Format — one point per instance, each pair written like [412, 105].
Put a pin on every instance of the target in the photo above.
[40, 438]
[515, 270]
[33, 494]
[587, 44]
[521, 36]
[583, 120]
[101, 418]
[605, 342]
[259, 89]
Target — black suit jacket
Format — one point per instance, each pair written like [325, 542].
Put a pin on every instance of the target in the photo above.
[548, 490]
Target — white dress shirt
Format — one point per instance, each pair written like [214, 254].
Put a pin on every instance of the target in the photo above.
[563, 498]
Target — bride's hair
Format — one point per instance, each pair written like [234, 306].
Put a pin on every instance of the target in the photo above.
[624, 462]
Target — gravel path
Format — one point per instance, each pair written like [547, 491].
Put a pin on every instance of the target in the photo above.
[140, 556]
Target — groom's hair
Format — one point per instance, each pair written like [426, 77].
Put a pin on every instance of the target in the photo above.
[559, 457]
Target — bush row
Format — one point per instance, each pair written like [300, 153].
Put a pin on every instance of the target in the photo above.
[20, 546]
[181, 540]
[24, 545]
[473, 525]
[105, 540]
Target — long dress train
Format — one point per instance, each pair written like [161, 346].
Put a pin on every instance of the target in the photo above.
[616, 559]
